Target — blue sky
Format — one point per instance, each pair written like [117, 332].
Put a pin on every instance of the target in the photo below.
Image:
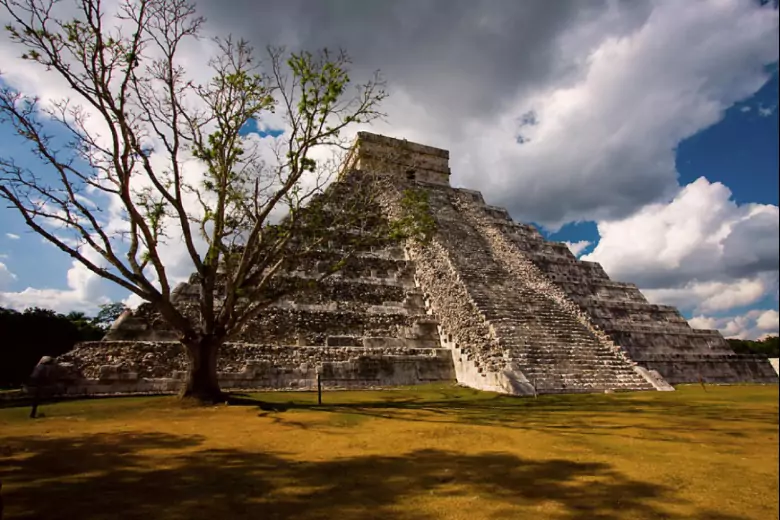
[252, 127]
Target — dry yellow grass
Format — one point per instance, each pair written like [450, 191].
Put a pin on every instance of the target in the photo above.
[435, 452]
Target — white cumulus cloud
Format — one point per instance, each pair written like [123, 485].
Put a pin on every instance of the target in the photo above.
[6, 276]
[699, 251]
[85, 292]
[602, 144]
[578, 247]
[754, 324]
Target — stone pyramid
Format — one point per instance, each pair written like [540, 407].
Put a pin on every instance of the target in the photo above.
[488, 303]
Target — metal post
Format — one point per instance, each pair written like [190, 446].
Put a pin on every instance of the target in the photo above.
[319, 388]
[36, 400]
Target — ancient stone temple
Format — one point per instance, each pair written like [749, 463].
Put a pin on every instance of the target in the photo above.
[488, 303]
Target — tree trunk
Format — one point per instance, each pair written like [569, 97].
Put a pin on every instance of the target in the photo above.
[202, 384]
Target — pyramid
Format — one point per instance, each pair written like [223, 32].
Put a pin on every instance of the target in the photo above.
[487, 303]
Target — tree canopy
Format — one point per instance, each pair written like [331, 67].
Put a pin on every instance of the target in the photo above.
[34, 333]
[769, 346]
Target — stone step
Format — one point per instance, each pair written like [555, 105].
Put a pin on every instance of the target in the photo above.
[404, 280]
[574, 382]
[595, 389]
[581, 377]
[579, 374]
[646, 325]
[313, 327]
[545, 334]
[562, 361]
[387, 260]
[655, 329]
[605, 303]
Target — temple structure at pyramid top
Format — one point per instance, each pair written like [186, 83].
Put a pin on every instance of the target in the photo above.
[488, 303]
[417, 162]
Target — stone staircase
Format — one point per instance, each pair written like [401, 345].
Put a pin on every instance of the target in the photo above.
[656, 337]
[545, 345]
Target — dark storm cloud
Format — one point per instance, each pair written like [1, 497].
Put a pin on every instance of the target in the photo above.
[753, 246]
[464, 57]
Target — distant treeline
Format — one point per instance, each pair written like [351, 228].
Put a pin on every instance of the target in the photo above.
[769, 347]
[27, 336]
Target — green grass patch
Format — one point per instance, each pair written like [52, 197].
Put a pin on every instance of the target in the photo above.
[419, 453]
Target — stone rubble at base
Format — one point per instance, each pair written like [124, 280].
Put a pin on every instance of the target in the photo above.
[488, 303]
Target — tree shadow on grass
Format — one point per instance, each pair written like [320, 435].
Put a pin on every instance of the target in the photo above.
[161, 476]
[658, 419]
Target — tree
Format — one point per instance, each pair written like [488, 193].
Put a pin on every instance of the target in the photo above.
[139, 129]
[768, 346]
[108, 314]
[36, 332]
[86, 328]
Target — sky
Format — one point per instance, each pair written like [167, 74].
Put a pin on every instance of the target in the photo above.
[643, 133]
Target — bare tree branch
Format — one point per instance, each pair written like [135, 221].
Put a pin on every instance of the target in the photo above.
[136, 124]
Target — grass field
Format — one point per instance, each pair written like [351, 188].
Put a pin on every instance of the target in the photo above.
[434, 452]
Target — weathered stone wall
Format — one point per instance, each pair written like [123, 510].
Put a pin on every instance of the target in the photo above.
[377, 153]
[656, 337]
[341, 308]
[160, 367]
[715, 368]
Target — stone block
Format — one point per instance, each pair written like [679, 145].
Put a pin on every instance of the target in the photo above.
[343, 341]
[383, 342]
